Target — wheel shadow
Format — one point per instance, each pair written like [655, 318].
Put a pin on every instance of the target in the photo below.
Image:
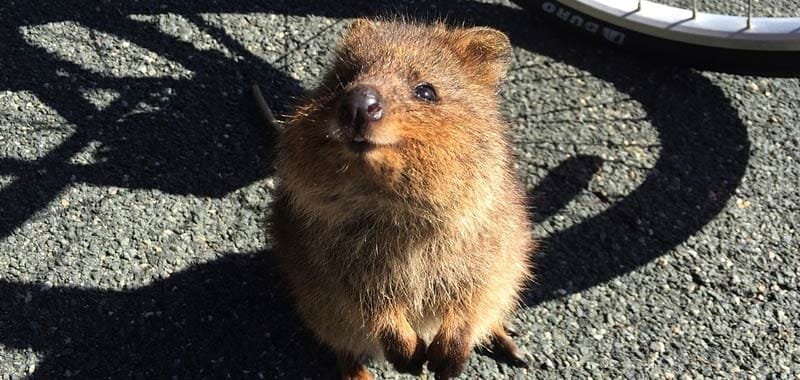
[229, 318]
[703, 157]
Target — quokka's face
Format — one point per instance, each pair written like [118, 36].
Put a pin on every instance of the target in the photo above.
[403, 104]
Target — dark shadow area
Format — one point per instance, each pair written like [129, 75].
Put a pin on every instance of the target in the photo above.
[223, 320]
[199, 136]
[203, 138]
[704, 153]
[561, 185]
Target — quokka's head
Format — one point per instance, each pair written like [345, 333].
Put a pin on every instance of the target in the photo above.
[406, 109]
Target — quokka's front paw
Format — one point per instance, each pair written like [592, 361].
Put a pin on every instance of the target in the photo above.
[447, 356]
[406, 356]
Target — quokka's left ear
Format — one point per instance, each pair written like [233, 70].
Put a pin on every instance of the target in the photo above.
[360, 27]
[487, 49]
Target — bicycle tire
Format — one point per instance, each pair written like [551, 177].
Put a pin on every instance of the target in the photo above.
[755, 51]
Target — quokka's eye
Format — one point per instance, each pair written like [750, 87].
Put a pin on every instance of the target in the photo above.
[426, 92]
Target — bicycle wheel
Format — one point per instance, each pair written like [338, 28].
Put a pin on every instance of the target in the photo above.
[733, 43]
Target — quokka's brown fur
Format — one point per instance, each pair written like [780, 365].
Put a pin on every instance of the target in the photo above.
[415, 250]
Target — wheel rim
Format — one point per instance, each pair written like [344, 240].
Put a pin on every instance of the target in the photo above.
[682, 25]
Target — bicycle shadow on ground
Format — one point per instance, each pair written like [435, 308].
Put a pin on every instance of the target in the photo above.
[230, 316]
[703, 157]
[225, 319]
[199, 136]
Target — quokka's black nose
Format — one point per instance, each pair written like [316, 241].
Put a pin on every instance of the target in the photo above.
[359, 107]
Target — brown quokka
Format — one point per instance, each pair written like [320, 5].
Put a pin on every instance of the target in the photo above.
[399, 221]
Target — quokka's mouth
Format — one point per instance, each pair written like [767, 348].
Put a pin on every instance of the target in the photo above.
[364, 144]
[361, 146]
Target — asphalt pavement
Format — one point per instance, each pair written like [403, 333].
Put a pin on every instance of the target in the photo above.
[135, 178]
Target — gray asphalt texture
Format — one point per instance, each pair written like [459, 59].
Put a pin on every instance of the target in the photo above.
[135, 178]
